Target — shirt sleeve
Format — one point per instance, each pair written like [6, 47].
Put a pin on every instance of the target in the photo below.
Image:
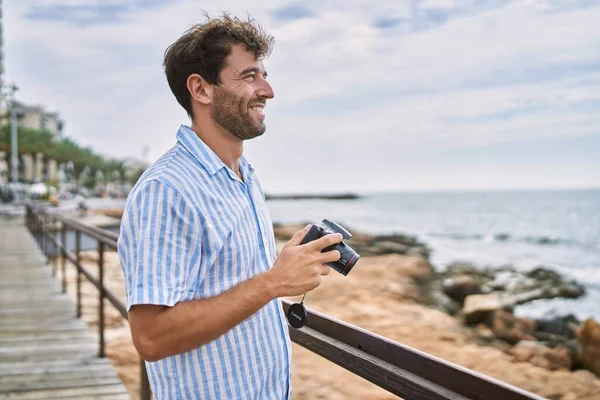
[159, 246]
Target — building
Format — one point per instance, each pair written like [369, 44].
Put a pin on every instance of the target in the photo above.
[35, 117]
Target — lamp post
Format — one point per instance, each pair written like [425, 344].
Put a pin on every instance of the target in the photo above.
[14, 150]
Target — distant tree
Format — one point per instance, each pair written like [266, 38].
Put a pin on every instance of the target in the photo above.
[34, 141]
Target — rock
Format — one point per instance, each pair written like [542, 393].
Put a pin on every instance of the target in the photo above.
[387, 247]
[511, 281]
[512, 329]
[478, 306]
[540, 361]
[585, 374]
[444, 303]
[559, 357]
[588, 335]
[553, 280]
[480, 274]
[564, 326]
[509, 286]
[460, 287]
[542, 356]
[543, 274]
[523, 351]
[484, 334]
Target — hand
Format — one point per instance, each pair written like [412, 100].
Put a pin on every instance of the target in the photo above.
[299, 267]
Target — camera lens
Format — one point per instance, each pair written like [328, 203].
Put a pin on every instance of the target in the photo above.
[348, 258]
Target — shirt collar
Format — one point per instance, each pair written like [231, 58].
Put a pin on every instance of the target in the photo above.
[207, 157]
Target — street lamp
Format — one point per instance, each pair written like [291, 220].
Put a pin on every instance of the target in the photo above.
[14, 150]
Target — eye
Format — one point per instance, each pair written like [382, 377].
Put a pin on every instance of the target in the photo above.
[250, 78]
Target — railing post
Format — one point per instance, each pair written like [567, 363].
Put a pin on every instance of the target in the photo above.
[55, 264]
[56, 247]
[63, 238]
[77, 250]
[34, 225]
[101, 296]
[144, 384]
[44, 235]
[46, 239]
[40, 230]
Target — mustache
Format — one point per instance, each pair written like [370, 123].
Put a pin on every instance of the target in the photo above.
[258, 103]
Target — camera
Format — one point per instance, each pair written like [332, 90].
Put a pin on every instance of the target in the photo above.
[348, 257]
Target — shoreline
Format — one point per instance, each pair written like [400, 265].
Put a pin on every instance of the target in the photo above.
[316, 196]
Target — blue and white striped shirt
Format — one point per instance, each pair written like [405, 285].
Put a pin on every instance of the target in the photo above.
[192, 229]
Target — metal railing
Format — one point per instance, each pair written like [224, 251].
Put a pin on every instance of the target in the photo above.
[45, 226]
[399, 369]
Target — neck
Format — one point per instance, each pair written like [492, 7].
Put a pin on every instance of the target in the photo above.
[227, 147]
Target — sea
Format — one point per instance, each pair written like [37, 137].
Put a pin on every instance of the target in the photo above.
[557, 229]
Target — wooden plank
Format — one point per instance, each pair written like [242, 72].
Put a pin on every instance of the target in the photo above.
[23, 375]
[38, 270]
[68, 350]
[45, 342]
[31, 284]
[57, 376]
[58, 384]
[57, 318]
[55, 298]
[94, 392]
[35, 308]
[42, 336]
[31, 327]
[53, 364]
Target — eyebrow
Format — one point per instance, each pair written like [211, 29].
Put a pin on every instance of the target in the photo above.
[252, 69]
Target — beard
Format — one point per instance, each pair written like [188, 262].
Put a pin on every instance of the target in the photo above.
[232, 113]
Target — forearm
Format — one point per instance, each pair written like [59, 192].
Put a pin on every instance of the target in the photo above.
[191, 324]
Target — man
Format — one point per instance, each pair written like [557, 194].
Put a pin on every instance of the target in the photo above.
[197, 246]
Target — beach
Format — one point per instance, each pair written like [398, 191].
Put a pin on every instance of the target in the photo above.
[380, 295]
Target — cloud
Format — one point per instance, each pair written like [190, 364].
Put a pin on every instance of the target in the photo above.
[292, 12]
[79, 14]
[361, 87]
[386, 22]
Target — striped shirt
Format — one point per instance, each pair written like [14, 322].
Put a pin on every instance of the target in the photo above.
[192, 229]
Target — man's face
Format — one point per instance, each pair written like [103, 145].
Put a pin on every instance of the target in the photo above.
[239, 101]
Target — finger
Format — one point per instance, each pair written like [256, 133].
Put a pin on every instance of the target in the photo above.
[298, 236]
[330, 256]
[325, 241]
[325, 269]
[317, 282]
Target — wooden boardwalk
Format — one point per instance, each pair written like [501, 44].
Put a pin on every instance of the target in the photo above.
[45, 351]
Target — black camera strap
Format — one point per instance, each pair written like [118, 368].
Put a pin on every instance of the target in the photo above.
[296, 314]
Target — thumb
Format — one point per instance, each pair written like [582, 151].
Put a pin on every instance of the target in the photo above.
[298, 236]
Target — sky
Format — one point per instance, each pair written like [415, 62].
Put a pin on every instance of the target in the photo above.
[369, 95]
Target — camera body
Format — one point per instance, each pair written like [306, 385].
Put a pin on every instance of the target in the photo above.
[348, 257]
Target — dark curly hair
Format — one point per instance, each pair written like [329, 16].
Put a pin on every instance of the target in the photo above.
[203, 49]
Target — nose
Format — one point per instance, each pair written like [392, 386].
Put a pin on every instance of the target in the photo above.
[265, 91]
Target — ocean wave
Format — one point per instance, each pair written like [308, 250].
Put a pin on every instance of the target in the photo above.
[506, 237]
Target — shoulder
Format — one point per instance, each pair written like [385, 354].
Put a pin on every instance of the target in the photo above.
[161, 185]
[176, 169]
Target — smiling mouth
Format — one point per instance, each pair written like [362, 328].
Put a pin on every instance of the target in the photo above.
[258, 109]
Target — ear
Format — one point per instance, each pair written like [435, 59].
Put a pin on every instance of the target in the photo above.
[200, 90]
